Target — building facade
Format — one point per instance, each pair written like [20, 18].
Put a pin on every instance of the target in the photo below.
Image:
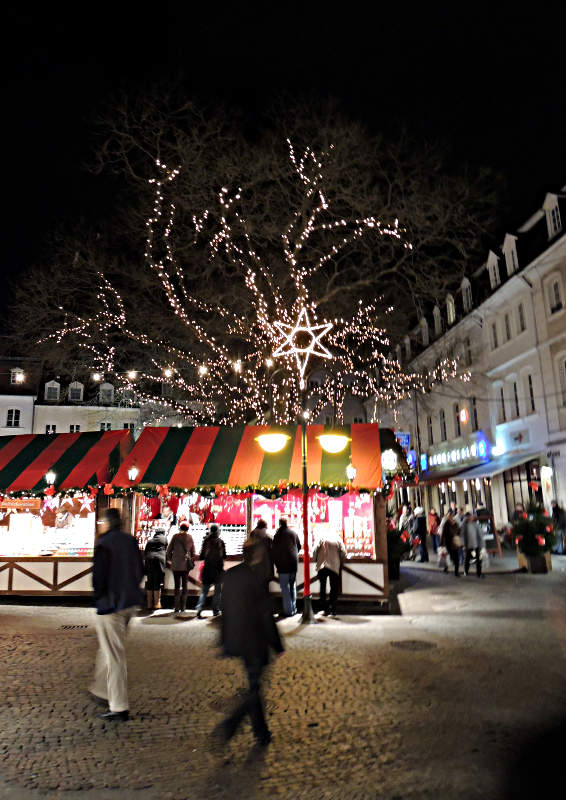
[496, 436]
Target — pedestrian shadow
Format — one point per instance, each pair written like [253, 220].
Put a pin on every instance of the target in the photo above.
[536, 772]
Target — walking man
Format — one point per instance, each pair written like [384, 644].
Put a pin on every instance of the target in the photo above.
[248, 631]
[213, 553]
[285, 554]
[473, 542]
[116, 575]
[330, 554]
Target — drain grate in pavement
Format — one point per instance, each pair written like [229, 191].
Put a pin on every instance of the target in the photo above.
[73, 627]
[413, 644]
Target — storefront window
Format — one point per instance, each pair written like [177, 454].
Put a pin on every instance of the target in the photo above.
[522, 485]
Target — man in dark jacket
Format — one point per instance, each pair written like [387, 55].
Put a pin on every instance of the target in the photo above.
[117, 574]
[213, 553]
[285, 554]
[260, 543]
[248, 631]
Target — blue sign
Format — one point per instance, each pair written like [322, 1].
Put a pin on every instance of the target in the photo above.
[424, 462]
[404, 440]
[412, 459]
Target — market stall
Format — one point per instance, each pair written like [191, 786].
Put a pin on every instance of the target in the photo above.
[50, 489]
[223, 475]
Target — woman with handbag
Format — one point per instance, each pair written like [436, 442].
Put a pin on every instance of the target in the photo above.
[181, 559]
[450, 539]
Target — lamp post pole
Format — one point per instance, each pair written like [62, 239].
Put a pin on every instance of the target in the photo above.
[308, 615]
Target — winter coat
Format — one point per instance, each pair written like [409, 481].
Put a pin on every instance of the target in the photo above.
[330, 553]
[155, 550]
[559, 518]
[181, 549]
[117, 572]
[450, 529]
[262, 561]
[420, 529]
[471, 534]
[433, 523]
[213, 553]
[248, 628]
[285, 550]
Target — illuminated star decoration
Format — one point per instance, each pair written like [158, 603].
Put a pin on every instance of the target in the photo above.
[289, 348]
[86, 503]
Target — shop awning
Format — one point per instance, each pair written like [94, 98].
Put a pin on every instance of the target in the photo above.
[192, 458]
[434, 476]
[77, 459]
[495, 466]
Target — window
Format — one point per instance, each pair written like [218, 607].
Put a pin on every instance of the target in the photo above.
[457, 426]
[106, 393]
[16, 375]
[52, 391]
[510, 250]
[129, 426]
[516, 399]
[51, 429]
[507, 328]
[437, 321]
[467, 295]
[75, 392]
[105, 426]
[531, 393]
[521, 315]
[468, 351]
[554, 296]
[475, 425]
[493, 269]
[450, 310]
[442, 417]
[430, 431]
[552, 211]
[501, 415]
[555, 222]
[13, 418]
[74, 428]
[494, 340]
[424, 332]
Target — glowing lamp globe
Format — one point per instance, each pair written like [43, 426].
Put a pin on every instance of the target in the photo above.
[133, 473]
[351, 472]
[272, 442]
[333, 442]
[50, 477]
[389, 460]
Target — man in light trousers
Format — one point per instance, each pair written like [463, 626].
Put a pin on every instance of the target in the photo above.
[117, 575]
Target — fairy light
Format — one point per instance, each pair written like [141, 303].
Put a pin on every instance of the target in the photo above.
[171, 378]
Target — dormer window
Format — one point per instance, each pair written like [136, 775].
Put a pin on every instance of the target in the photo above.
[510, 251]
[76, 392]
[407, 343]
[437, 321]
[16, 376]
[467, 295]
[52, 391]
[423, 324]
[493, 269]
[106, 394]
[552, 211]
[450, 309]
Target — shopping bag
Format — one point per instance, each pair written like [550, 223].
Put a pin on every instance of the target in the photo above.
[484, 558]
[442, 557]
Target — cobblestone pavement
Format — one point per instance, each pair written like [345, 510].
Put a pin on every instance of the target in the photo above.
[435, 702]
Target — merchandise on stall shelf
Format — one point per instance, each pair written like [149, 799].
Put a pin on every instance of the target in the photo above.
[233, 536]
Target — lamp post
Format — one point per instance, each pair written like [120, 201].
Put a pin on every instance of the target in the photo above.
[50, 477]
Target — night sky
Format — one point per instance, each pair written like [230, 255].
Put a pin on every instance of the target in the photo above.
[490, 85]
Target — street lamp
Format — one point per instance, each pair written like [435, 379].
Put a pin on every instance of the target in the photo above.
[351, 473]
[50, 477]
[133, 473]
[331, 443]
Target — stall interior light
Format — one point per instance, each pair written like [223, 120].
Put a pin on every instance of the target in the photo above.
[389, 460]
[351, 472]
[272, 442]
[133, 473]
[50, 477]
[333, 442]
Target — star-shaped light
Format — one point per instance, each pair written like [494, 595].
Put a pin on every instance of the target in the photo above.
[86, 503]
[302, 354]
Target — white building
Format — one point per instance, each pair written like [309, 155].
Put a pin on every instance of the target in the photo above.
[18, 390]
[498, 438]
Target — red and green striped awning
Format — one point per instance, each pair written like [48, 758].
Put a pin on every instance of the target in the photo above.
[77, 459]
[189, 458]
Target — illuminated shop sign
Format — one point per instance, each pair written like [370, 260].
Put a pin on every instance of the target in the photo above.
[476, 451]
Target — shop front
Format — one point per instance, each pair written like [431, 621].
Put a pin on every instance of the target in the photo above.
[223, 475]
[51, 487]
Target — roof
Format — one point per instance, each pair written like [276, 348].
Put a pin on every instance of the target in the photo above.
[496, 465]
[77, 459]
[193, 458]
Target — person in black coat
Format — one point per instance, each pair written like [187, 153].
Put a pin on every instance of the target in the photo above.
[213, 553]
[285, 555]
[154, 559]
[248, 632]
[116, 576]
[419, 529]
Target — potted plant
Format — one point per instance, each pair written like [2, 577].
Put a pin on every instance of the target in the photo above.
[398, 543]
[534, 538]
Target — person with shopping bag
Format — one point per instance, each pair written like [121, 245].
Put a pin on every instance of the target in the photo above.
[450, 539]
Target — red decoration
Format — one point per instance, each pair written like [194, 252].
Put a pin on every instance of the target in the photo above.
[540, 539]
[163, 491]
[108, 488]
[50, 491]
[219, 490]
[416, 479]
[534, 486]
[549, 528]
[93, 491]
[282, 485]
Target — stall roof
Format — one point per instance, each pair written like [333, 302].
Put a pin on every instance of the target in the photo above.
[191, 458]
[77, 459]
